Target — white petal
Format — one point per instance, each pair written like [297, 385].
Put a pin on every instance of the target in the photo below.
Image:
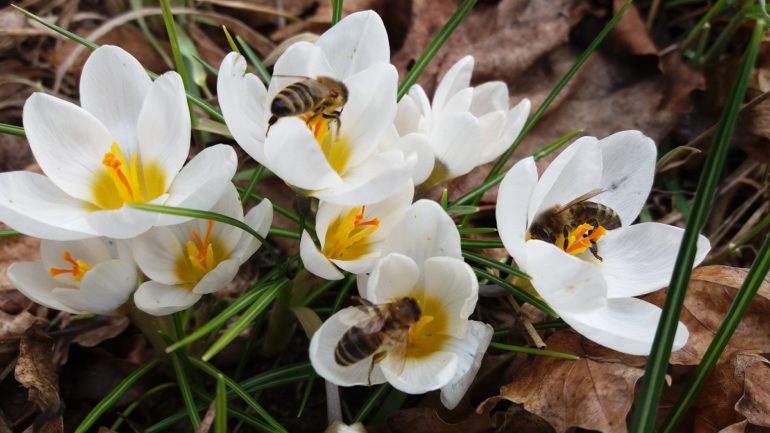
[321, 351]
[488, 97]
[455, 141]
[627, 325]
[123, 223]
[454, 284]
[457, 78]
[491, 126]
[628, 168]
[567, 284]
[107, 286]
[394, 276]
[355, 43]
[423, 374]
[163, 129]
[424, 231]
[243, 98]
[640, 259]
[93, 251]
[34, 282]
[68, 143]
[217, 278]
[156, 253]
[113, 86]
[471, 351]
[159, 299]
[513, 197]
[33, 205]
[517, 117]
[418, 155]
[226, 235]
[390, 210]
[294, 155]
[315, 261]
[408, 113]
[576, 171]
[259, 218]
[361, 265]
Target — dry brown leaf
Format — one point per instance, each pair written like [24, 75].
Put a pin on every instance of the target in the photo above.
[584, 393]
[36, 371]
[755, 402]
[109, 327]
[425, 420]
[16, 249]
[13, 325]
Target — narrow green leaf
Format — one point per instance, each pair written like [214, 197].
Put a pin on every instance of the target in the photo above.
[180, 372]
[259, 306]
[142, 23]
[315, 294]
[371, 402]
[517, 292]
[210, 69]
[230, 41]
[677, 152]
[557, 144]
[214, 127]
[12, 130]
[255, 176]
[434, 46]
[646, 404]
[306, 394]
[343, 294]
[278, 208]
[277, 376]
[123, 415]
[254, 59]
[115, 395]
[220, 417]
[486, 261]
[534, 351]
[336, 11]
[480, 243]
[168, 20]
[550, 324]
[476, 230]
[284, 233]
[716, 8]
[8, 233]
[64, 32]
[462, 210]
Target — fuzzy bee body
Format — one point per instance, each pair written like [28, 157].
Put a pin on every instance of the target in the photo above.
[320, 96]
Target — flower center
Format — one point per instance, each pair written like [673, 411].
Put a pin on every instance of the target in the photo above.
[335, 147]
[580, 239]
[201, 255]
[429, 334]
[347, 238]
[78, 270]
[124, 180]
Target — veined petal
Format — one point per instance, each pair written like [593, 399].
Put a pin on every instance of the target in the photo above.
[294, 155]
[355, 43]
[321, 351]
[576, 171]
[470, 350]
[453, 282]
[639, 259]
[374, 180]
[259, 218]
[421, 375]
[628, 169]
[34, 282]
[226, 235]
[163, 128]
[513, 197]
[217, 278]
[457, 78]
[567, 284]
[394, 276]
[627, 325]
[424, 231]
[243, 99]
[113, 87]
[159, 299]
[68, 143]
[455, 142]
[33, 205]
[105, 287]
[315, 261]
[156, 252]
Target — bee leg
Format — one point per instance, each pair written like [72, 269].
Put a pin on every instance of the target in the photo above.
[595, 251]
[335, 116]
[376, 358]
[270, 122]
[565, 235]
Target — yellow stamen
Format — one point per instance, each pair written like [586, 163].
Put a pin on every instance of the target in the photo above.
[333, 145]
[347, 237]
[581, 238]
[78, 270]
[429, 334]
[125, 180]
[200, 251]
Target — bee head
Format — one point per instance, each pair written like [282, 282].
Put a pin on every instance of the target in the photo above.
[409, 310]
[540, 231]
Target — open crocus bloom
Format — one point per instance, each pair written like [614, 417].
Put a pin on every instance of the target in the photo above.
[126, 144]
[335, 160]
[465, 126]
[187, 261]
[351, 237]
[87, 276]
[596, 297]
[443, 348]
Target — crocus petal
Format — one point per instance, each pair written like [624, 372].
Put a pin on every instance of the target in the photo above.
[33, 205]
[160, 299]
[258, 218]
[454, 140]
[517, 117]
[409, 111]
[294, 155]
[394, 276]
[457, 78]
[491, 126]
[374, 180]
[628, 168]
[567, 284]
[227, 236]
[627, 325]
[156, 253]
[576, 171]
[355, 43]
[418, 155]
[123, 223]
[315, 261]
[322, 347]
[471, 350]
[488, 97]
[452, 282]
[360, 265]
[242, 97]
[68, 143]
[34, 282]
[163, 128]
[92, 251]
[104, 288]
[420, 375]
[513, 197]
[113, 87]
[217, 278]
[424, 231]
[639, 259]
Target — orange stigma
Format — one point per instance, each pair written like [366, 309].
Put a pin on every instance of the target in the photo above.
[200, 251]
[78, 269]
[581, 238]
[346, 238]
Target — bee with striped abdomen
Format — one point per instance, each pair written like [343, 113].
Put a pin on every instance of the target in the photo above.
[320, 96]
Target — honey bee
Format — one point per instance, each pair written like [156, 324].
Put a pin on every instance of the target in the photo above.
[378, 330]
[561, 220]
[320, 96]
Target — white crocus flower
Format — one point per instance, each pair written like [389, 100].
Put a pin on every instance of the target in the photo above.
[595, 295]
[126, 144]
[338, 161]
[86, 276]
[187, 261]
[443, 348]
[465, 126]
[351, 237]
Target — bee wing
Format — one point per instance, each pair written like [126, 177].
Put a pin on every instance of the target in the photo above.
[366, 317]
[587, 196]
[397, 345]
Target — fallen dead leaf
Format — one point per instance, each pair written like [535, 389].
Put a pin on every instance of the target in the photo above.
[36, 371]
[15, 249]
[425, 420]
[108, 327]
[755, 402]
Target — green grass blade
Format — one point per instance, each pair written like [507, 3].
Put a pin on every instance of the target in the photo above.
[517, 292]
[254, 59]
[748, 290]
[12, 130]
[480, 243]
[259, 306]
[306, 394]
[534, 351]
[255, 176]
[220, 418]
[336, 11]
[290, 373]
[486, 261]
[280, 209]
[8, 233]
[643, 419]
[718, 6]
[371, 402]
[131, 407]
[176, 52]
[476, 230]
[557, 144]
[315, 294]
[434, 46]
[115, 395]
[178, 362]
[285, 233]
